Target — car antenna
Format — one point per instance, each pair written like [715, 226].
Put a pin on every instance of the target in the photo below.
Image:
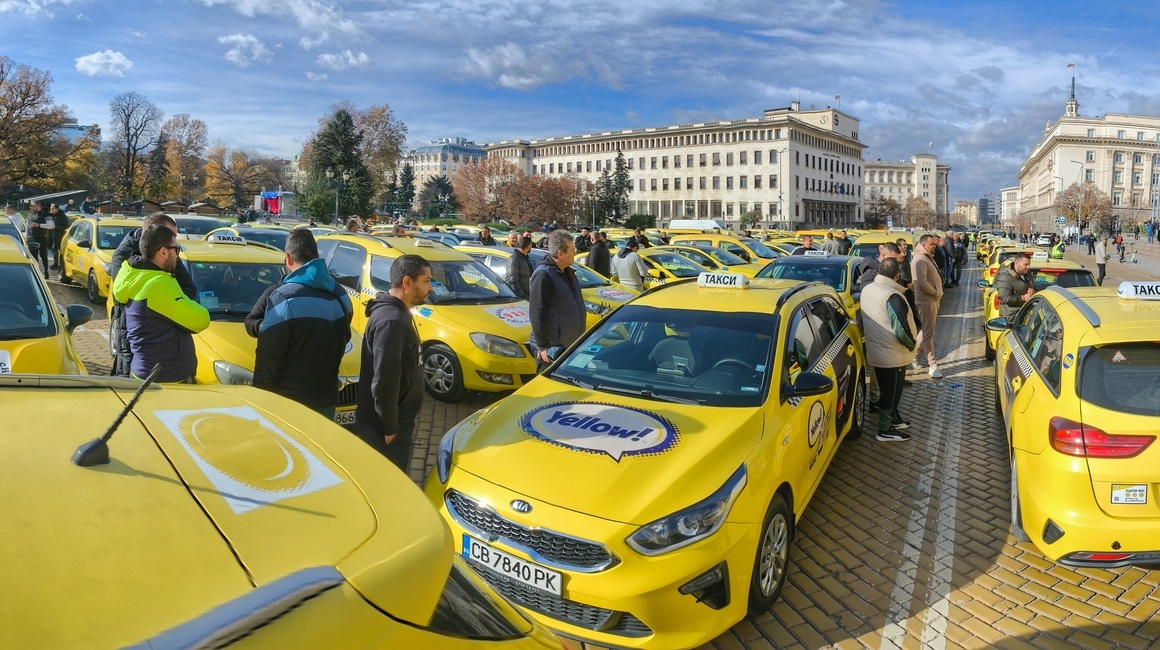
[96, 452]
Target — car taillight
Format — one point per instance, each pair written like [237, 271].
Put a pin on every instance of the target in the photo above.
[1076, 439]
[996, 301]
[991, 271]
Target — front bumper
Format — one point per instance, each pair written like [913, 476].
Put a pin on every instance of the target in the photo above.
[633, 603]
[480, 368]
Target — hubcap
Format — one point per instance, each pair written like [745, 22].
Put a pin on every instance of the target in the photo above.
[774, 554]
[94, 293]
[439, 373]
[859, 410]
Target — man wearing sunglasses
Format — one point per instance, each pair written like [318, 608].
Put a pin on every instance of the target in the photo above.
[160, 319]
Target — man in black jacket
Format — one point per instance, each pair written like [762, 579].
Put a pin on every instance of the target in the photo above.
[130, 246]
[390, 387]
[556, 304]
[519, 271]
[485, 238]
[583, 241]
[302, 326]
[599, 259]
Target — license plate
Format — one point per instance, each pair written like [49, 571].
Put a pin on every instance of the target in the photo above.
[511, 566]
[1129, 494]
[345, 418]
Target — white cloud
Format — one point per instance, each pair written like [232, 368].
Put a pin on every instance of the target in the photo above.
[103, 64]
[308, 43]
[343, 60]
[316, 76]
[316, 15]
[135, 33]
[32, 7]
[245, 49]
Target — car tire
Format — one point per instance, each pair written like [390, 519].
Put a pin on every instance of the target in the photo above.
[442, 374]
[64, 277]
[771, 563]
[858, 417]
[988, 351]
[1017, 530]
[92, 289]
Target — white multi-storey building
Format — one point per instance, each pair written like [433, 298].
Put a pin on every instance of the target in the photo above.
[970, 212]
[795, 168]
[1008, 207]
[922, 176]
[443, 157]
[1118, 153]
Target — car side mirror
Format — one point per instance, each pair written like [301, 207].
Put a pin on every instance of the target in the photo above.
[997, 325]
[84, 243]
[77, 315]
[982, 284]
[33, 246]
[654, 273]
[857, 296]
[809, 384]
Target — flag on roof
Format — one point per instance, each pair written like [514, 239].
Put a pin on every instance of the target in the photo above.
[838, 96]
[1071, 65]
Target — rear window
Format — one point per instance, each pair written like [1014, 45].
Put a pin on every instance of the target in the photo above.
[1123, 377]
[1070, 278]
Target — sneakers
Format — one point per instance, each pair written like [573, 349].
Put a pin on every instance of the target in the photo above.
[873, 408]
[914, 365]
[935, 372]
[892, 436]
[900, 425]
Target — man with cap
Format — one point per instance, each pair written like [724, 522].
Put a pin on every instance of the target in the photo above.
[628, 267]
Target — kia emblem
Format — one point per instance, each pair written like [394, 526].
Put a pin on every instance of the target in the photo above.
[520, 505]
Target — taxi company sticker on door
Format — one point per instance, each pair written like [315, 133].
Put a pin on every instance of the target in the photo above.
[617, 431]
[618, 295]
[516, 316]
[251, 462]
[5, 362]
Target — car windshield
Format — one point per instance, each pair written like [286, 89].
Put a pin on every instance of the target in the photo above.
[760, 249]
[787, 268]
[272, 237]
[675, 264]
[230, 289]
[862, 250]
[197, 226]
[588, 278]
[23, 305]
[109, 237]
[457, 282]
[9, 228]
[723, 256]
[1123, 377]
[1063, 277]
[676, 355]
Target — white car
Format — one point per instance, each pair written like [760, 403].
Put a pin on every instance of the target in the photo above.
[1043, 240]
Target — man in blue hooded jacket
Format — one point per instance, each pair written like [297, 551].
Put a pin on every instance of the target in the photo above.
[302, 327]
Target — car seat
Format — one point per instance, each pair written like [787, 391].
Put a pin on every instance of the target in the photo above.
[674, 355]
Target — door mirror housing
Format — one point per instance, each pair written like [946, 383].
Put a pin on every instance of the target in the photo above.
[85, 243]
[997, 325]
[982, 284]
[809, 384]
[77, 315]
[654, 273]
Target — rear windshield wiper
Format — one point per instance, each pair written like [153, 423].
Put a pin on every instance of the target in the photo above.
[648, 392]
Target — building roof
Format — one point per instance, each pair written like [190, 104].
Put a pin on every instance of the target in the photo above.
[67, 194]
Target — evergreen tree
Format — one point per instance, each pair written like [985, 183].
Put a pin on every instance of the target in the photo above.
[621, 186]
[336, 147]
[405, 192]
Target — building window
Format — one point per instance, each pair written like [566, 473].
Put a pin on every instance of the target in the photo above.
[728, 158]
[1091, 133]
[653, 163]
[689, 160]
[597, 165]
[742, 158]
[756, 157]
[728, 182]
[797, 182]
[757, 182]
[729, 209]
[1155, 179]
[704, 160]
[1088, 175]
[551, 168]
[704, 183]
[773, 181]
[743, 182]
[677, 183]
[642, 185]
[689, 183]
[1117, 177]
[1135, 198]
[1116, 196]
[665, 184]
[677, 162]
[1119, 157]
[627, 163]
[1120, 134]
[716, 159]
[642, 162]
[1138, 158]
[1136, 178]
[569, 168]
[716, 182]
[1091, 156]
[654, 185]
[1139, 135]
[665, 162]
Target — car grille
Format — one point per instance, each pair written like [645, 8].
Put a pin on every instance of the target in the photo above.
[562, 609]
[554, 549]
[348, 394]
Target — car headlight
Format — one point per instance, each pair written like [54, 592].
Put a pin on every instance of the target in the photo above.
[496, 345]
[443, 458]
[594, 308]
[233, 374]
[108, 268]
[691, 524]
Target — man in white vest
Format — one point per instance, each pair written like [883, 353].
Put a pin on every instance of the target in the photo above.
[890, 334]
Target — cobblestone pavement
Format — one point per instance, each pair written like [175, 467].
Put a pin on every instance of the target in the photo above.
[905, 545]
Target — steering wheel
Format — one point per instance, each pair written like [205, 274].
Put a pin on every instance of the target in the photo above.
[730, 361]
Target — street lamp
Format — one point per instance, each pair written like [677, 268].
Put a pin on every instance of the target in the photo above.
[1079, 209]
[338, 184]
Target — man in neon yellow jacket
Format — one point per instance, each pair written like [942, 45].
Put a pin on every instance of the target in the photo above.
[160, 319]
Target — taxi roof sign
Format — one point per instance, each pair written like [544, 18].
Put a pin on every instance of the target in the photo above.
[1039, 255]
[815, 253]
[1139, 290]
[224, 238]
[723, 280]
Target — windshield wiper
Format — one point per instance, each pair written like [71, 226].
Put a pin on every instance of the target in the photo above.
[572, 380]
[648, 392]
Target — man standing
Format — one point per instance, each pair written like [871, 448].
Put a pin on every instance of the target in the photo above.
[831, 245]
[807, 245]
[844, 240]
[513, 239]
[14, 218]
[40, 227]
[584, 240]
[928, 292]
[1091, 244]
[130, 246]
[630, 269]
[60, 221]
[519, 270]
[302, 326]
[352, 225]
[485, 238]
[556, 304]
[641, 240]
[1102, 259]
[1014, 286]
[160, 319]
[598, 257]
[889, 331]
[390, 387]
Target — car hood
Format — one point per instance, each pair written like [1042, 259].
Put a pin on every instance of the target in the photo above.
[549, 438]
[510, 320]
[207, 495]
[51, 355]
[229, 341]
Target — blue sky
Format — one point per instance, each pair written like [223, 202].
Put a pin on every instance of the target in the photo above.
[979, 79]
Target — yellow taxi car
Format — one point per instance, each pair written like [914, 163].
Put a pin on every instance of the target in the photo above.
[88, 251]
[1078, 377]
[1045, 272]
[747, 248]
[35, 337]
[274, 238]
[840, 272]
[231, 274]
[716, 260]
[665, 266]
[600, 295]
[222, 515]
[474, 329]
[1003, 254]
[702, 416]
[868, 244]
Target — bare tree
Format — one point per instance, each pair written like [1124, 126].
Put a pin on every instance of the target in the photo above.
[186, 140]
[136, 123]
[31, 150]
[232, 176]
[1089, 204]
